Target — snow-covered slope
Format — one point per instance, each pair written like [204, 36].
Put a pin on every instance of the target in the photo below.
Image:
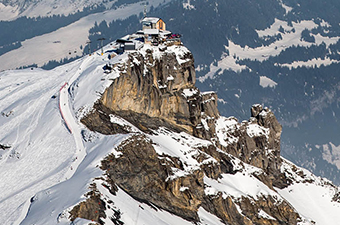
[16, 8]
[42, 148]
[53, 158]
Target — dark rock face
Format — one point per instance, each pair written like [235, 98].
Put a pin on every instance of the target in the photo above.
[214, 170]
[149, 177]
[4, 147]
[92, 209]
[282, 212]
[258, 144]
[225, 209]
[159, 88]
[99, 120]
[141, 173]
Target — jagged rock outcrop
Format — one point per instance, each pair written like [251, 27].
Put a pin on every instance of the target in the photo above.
[140, 172]
[92, 209]
[156, 88]
[281, 212]
[136, 168]
[157, 84]
[256, 142]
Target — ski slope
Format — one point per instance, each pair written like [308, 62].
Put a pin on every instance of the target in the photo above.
[43, 152]
[50, 202]
[41, 147]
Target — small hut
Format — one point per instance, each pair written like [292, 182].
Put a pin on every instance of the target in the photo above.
[153, 23]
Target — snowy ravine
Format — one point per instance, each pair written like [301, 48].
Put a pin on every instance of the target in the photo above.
[52, 158]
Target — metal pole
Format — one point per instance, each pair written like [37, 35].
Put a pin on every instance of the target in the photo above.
[89, 42]
[101, 44]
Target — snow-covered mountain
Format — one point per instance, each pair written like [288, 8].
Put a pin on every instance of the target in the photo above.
[280, 53]
[129, 139]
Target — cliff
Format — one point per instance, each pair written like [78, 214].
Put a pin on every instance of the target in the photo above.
[156, 87]
[179, 154]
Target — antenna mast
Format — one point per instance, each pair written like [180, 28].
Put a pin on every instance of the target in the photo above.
[144, 9]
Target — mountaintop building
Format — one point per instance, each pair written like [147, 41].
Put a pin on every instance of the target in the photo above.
[153, 23]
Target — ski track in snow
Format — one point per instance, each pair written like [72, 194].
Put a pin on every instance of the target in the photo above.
[74, 128]
[65, 151]
[28, 98]
[72, 122]
[23, 174]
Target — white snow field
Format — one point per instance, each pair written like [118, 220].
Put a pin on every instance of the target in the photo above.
[43, 150]
[53, 158]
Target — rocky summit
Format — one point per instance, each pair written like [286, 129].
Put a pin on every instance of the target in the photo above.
[156, 87]
[154, 94]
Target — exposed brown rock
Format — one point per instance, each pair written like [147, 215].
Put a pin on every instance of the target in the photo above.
[92, 209]
[99, 120]
[281, 212]
[151, 92]
[154, 87]
[141, 173]
[214, 170]
[225, 209]
[150, 178]
[261, 150]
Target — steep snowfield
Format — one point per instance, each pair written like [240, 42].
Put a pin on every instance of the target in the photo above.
[57, 45]
[43, 151]
[41, 147]
[312, 200]
[53, 158]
